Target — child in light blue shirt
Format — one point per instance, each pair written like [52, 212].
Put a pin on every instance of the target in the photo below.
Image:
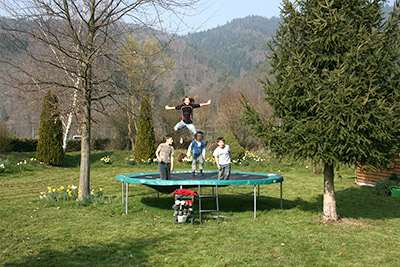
[199, 152]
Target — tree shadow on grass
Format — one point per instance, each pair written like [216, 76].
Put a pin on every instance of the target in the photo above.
[364, 203]
[74, 160]
[352, 202]
[122, 252]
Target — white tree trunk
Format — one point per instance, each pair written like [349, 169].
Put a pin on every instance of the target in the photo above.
[69, 119]
[330, 212]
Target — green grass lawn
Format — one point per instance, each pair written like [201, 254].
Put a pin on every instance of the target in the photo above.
[66, 234]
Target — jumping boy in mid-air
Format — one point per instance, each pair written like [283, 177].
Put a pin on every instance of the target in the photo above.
[222, 156]
[187, 114]
[199, 152]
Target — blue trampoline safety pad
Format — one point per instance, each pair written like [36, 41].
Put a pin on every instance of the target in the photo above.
[209, 178]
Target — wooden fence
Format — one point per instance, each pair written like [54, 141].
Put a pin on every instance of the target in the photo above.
[369, 178]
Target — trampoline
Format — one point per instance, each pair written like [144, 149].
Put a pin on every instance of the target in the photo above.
[185, 179]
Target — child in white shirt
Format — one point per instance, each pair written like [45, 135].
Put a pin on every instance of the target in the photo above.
[222, 156]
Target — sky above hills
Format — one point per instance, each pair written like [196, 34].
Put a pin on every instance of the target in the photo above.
[219, 12]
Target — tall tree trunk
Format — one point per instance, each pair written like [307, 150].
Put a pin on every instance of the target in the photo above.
[84, 179]
[330, 212]
[86, 89]
[131, 119]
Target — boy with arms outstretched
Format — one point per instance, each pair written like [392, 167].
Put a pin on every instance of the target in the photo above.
[187, 113]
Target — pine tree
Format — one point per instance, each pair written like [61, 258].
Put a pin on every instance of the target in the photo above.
[237, 151]
[145, 137]
[335, 90]
[49, 148]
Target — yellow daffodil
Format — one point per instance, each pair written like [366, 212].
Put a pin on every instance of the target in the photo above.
[101, 189]
[48, 188]
[54, 190]
[62, 187]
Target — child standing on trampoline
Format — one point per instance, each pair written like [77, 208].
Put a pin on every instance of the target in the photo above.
[199, 152]
[223, 157]
[187, 113]
[165, 157]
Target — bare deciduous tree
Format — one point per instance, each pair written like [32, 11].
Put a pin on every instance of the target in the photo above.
[75, 39]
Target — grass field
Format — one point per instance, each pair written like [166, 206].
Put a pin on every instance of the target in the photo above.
[66, 234]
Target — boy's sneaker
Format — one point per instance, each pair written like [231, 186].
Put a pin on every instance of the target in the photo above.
[193, 173]
[201, 173]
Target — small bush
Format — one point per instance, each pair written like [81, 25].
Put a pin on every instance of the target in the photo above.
[130, 161]
[71, 193]
[5, 138]
[95, 144]
[382, 187]
[99, 143]
[237, 151]
[5, 166]
[74, 145]
[22, 145]
[394, 177]
[105, 160]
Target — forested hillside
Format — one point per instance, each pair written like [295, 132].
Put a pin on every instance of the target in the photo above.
[215, 64]
[208, 64]
[238, 46]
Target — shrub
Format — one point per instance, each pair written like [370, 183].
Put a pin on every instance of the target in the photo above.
[394, 177]
[145, 137]
[100, 143]
[237, 151]
[5, 166]
[95, 144]
[69, 193]
[382, 187]
[105, 160]
[130, 161]
[74, 145]
[49, 149]
[5, 138]
[22, 145]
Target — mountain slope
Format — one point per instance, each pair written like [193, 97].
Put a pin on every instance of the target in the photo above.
[237, 46]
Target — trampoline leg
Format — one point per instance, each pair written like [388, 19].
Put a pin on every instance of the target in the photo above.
[126, 198]
[122, 183]
[258, 192]
[255, 201]
[281, 197]
[216, 193]
[199, 194]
